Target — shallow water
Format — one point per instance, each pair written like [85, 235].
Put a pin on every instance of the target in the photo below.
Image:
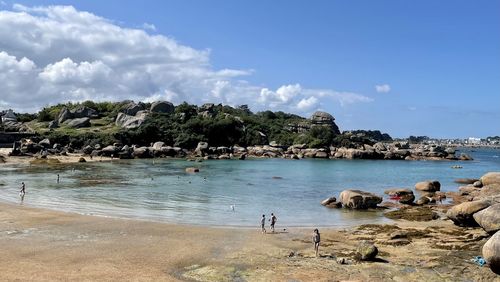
[161, 190]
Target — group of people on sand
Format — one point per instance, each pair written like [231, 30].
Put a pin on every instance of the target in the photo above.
[316, 237]
[273, 220]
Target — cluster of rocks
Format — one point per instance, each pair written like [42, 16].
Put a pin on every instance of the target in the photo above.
[357, 199]
[156, 150]
[353, 199]
[8, 120]
[390, 151]
[77, 118]
[133, 114]
[43, 148]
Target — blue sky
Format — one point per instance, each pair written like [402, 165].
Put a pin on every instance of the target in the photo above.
[437, 63]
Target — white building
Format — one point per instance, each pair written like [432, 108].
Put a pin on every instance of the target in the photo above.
[473, 140]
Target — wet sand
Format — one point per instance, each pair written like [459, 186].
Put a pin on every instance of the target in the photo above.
[43, 245]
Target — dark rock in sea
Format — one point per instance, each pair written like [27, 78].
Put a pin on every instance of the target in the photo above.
[465, 180]
[82, 160]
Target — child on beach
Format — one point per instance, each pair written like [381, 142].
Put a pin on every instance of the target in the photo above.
[316, 239]
[263, 223]
[273, 220]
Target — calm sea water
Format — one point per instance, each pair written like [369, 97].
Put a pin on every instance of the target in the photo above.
[161, 190]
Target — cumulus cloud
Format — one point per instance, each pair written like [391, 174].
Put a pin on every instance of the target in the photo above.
[383, 88]
[56, 54]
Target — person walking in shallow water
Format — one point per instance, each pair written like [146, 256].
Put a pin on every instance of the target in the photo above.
[58, 178]
[23, 190]
[263, 223]
[273, 220]
[316, 239]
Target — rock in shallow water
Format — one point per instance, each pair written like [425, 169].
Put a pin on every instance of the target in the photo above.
[357, 199]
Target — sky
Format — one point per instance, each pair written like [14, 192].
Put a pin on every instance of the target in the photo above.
[403, 67]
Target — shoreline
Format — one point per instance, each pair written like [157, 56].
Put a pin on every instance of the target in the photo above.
[53, 245]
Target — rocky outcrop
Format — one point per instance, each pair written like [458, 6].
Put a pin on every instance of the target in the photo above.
[81, 112]
[491, 252]
[490, 178]
[132, 108]
[326, 120]
[357, 199]
[489, 218]
[428, 186]
[201, 149]
[162, 107]
[462, 214]
[130, 122]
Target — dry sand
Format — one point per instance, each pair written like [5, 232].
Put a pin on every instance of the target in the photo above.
[43, 245]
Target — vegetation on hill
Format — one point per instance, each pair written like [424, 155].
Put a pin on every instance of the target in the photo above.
[219, 125]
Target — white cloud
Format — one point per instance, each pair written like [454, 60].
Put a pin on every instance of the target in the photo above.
[149, 26]
[56, 54]
[383, 88]
[307, 103]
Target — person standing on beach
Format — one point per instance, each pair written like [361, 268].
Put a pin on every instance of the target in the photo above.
[23, 189]
[273, 220]
[263, 223]
[316, 239]
[58, 178]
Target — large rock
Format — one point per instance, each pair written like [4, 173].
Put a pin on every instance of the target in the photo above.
[490, 178]
[78, 122]
[129, 122]
[82, 112]
[132, 108]
[162, 107]
[357, 199]
[428, 186]
[462, 214]
[491, 252]
[201, 149]
[489, 218]
[403, 195]
[324, 119]
[366, 251]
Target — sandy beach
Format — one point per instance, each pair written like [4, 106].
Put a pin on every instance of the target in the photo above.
[43, 245]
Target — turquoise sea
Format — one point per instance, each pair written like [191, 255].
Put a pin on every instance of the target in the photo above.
[161, 190]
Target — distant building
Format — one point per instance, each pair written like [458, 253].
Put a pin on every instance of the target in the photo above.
[473, 140]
